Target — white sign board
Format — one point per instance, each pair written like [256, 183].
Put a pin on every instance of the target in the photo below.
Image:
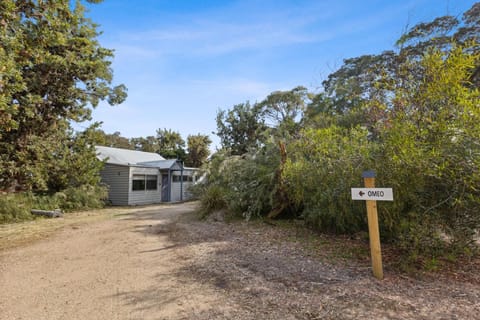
[378, 194]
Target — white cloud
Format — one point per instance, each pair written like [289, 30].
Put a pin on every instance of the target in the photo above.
[215, 39]
[224, 31]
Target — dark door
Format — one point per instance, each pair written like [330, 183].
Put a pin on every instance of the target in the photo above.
[165, 188]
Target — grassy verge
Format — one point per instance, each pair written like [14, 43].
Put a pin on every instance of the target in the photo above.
[21, 233]
[16, 207]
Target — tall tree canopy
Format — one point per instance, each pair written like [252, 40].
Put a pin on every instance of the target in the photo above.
[53, 68]
[171, 144]
[241, 128]
[363, 85]
[285, 106]
[284, 110]
[115, 140]
[197, 150]
[146, 144]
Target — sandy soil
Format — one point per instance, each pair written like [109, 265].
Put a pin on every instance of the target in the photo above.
[160, 262]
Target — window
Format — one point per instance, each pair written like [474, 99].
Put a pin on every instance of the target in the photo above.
[141, 182]
[138, 182]
[182, 178]
[152, 182]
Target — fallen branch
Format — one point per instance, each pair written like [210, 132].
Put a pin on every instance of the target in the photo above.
[57, 213]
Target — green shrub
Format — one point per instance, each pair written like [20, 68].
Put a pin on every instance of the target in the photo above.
[244, 185]
[212, 199]
[82, 198]
[431, 157]
[16, 207]
[323, 165]
[426, 149]
[251, 182]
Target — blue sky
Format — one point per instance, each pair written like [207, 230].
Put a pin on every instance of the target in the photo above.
[182, 61]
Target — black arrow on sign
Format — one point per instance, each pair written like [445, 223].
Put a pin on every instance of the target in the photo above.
[361, 193]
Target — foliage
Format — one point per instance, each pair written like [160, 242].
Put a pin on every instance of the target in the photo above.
[16, 207]
[74, 162]
[115, 140]
[58, 160]
[411, 114]
[197, 150]
[426, 149]
[147, 144]
[322, 166]
[349, 90]
[53, 68]
[212, 198]
[170, 144]
[255, 153]
[211, 189]
[441, 33]
[241, 128]
[82, 198]
[245, 185]
[251, 182]
[434, 131]
[284, 106]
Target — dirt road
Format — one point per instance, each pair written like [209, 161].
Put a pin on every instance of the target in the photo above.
[161, 263]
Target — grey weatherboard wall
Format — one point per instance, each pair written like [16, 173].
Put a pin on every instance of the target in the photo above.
[143, 197]
[118, 180]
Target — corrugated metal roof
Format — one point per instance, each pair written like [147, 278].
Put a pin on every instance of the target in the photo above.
[163, 164]
[126, 157]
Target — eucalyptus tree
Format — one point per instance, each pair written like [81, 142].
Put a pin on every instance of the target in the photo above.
[53, 69]
[283, 110]
[171, 144]
[197, 150]
[146, 144]
[241, 128]
[362, 90]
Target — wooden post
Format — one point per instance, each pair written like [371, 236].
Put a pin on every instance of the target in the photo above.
[373, 230]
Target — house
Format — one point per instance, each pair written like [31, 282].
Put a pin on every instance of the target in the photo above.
[138, 178]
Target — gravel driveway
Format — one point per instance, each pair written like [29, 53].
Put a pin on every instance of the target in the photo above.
[160, 262]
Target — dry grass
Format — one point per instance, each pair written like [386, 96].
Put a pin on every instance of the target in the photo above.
[17, 234]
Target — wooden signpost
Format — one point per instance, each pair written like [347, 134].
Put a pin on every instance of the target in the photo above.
[371, 195]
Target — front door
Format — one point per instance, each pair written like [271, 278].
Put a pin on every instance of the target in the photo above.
[165, 188]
